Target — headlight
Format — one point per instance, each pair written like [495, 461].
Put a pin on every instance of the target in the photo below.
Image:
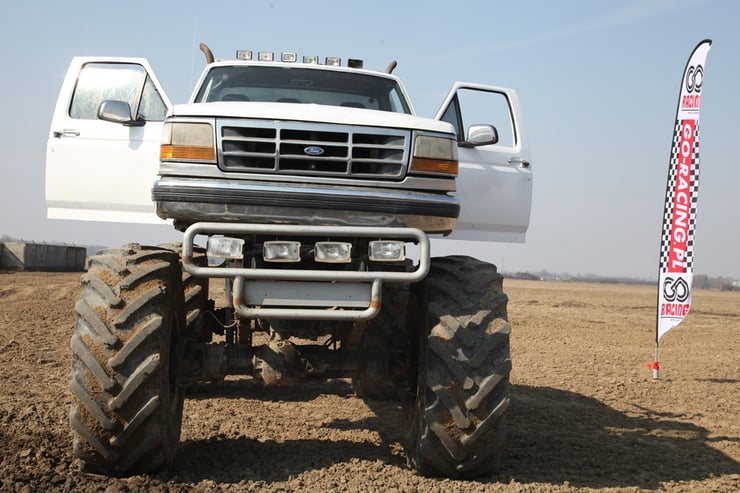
[188, 142]
[434, 155]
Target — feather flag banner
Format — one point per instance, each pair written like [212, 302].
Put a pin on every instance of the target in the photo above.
[679, 214]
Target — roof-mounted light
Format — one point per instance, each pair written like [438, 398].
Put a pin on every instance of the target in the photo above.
[292, 57]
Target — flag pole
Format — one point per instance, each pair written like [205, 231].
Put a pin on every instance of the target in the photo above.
[655, 366]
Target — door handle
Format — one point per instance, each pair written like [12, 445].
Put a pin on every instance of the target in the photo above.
[517, 160]
[67, 132]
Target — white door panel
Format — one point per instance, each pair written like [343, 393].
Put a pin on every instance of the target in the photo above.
[99, 170]
[106, 172]
[494, 183]
[492, 199]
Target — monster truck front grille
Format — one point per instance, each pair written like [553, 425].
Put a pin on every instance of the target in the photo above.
[310, 149]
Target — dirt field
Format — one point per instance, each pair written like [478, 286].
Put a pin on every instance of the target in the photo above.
[586, 414]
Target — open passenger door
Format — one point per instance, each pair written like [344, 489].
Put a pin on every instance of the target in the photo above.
[494, 183]
[103, 169]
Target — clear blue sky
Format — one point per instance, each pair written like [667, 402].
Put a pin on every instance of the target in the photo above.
[598, 81]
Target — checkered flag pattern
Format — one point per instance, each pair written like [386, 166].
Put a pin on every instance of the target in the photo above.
[670, 197]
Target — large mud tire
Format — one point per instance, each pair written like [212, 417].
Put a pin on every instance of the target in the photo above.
[195, 291]
[383, 342]
[459, 376]
[126, 410]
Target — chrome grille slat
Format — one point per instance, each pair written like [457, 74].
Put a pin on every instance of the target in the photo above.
[281, 148]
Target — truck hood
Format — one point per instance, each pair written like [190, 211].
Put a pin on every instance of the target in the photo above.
[311, 113]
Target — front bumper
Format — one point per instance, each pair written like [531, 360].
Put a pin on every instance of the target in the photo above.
[188, 200]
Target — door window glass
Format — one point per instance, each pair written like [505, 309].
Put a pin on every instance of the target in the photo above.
[479, 107]
[452, 116]
[125, 82]
[152, 108]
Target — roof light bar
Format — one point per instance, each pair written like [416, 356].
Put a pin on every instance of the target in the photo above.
[292, 57]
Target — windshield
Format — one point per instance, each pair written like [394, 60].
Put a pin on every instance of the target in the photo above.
[301, 85]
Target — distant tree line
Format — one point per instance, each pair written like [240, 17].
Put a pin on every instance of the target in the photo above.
[700, 281]
[703, 281]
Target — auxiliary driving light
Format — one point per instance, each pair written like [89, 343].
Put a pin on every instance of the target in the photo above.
[333, 252]
[281, 251]
[225, 247]
[244, 54]
[265, 56]
[387, 251]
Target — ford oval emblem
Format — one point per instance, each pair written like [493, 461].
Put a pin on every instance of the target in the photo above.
[313, 150]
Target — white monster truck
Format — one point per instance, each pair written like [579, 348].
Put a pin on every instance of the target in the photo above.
[315, 189]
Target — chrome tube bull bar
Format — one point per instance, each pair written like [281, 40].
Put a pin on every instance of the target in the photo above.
[242, 275]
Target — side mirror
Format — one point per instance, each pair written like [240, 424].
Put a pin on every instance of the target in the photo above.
[118, 112]
[481, 135]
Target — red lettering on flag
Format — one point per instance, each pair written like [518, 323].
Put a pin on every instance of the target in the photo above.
[691, 101]
[674, 309]
[681, 206]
